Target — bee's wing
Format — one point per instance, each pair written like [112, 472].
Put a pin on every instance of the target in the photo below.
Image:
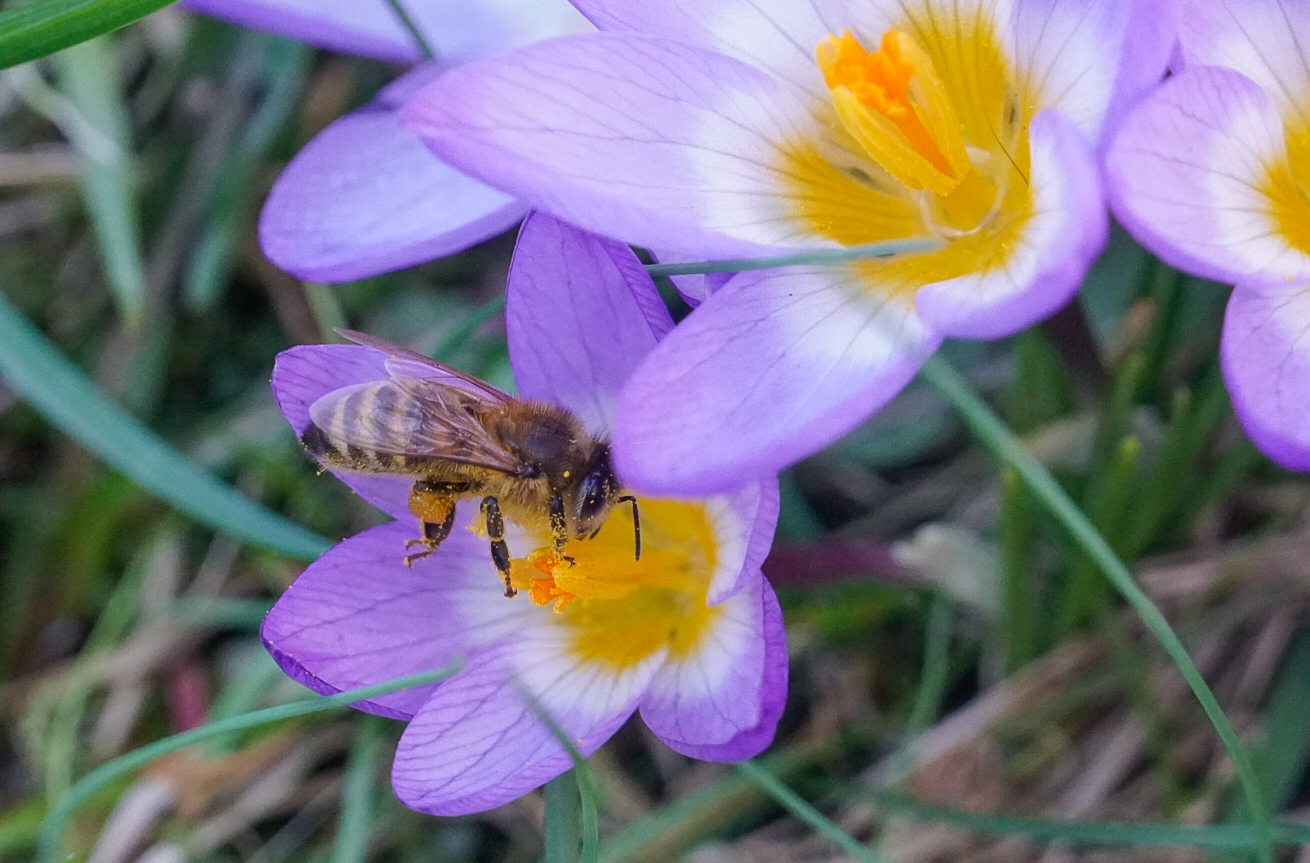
[404, 363]
[413, 417]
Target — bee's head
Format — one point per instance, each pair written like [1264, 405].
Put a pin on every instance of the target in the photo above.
[596, 493]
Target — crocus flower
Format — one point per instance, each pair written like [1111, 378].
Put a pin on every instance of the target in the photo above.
[689, 635]
[1210, 172]
[364, 196]
[722, 129]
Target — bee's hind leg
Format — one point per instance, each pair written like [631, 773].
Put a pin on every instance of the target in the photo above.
[434, 533]
[433, 503]
[496, 532]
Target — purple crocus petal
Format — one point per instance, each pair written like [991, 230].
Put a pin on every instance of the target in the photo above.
[1265, 353]
[778, 36]
[775, 365]
[358, 615]
[1150, 45]
[743, 528]
[477, 743]
[365, 196]
[580, 315]
[651, 141]
[1187, 176]
[723, 702]
[1042, 267]
[1074, 50]
[370, 28]
[304, 373]
[1262, 39]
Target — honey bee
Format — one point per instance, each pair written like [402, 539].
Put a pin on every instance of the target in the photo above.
[532, 462]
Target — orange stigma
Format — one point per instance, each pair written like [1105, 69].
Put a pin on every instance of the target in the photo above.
[894, 104]
[542, 589]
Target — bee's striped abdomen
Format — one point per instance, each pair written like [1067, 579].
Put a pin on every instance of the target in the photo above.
[366, 428]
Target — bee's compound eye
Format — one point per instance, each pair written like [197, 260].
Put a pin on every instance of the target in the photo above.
[593, 500]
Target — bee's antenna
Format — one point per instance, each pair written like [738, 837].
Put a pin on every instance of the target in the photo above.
[636, 524]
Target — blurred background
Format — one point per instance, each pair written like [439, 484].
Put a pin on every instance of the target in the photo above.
[965, 684]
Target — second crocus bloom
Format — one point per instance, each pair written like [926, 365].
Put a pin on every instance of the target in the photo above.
[1211, 173]
[364, 196]
[725, 129]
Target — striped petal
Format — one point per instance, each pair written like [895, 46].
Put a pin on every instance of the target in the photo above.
[1264, 40]
[371, 28]
[721, 701]
[1265, 352]
[770, 368]
[654, 142]
[478, 742]
[358, 615]
[580, 315]
[1196, 175]
[365, 196]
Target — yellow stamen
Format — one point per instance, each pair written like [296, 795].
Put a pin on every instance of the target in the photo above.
[895, 106]
[617, 609]
[1285, 183]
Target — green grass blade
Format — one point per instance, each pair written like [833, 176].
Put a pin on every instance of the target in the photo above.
[356, 821]
[563, 819]
[412, 29]
[47, 850]
[993, 434]
[813, 818]
[588, 793]
[42, 27]
[1108, 833]
[283, 65]
[89, 77]
[884, 249]
[1022, 593]
[65, 397]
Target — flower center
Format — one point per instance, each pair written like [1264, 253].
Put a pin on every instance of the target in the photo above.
[1287, 187]
[618, 609]
[899, 111]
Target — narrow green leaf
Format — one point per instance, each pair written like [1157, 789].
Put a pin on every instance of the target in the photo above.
[52, 827]
[813, 818]
[934, 675]
[884, 249]
[1284, 752]
[358, 793]
[41, 27]
[563, 820]
[588, 793]
[407, 22]
[1021, 591]
[89, 77]
[670, 831]
[994, 435]
[65, 397]
[1108, 500]
[1119, 834]
[283, 65]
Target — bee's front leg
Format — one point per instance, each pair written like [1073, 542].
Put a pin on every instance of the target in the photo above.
[559, 529]
[496, 532]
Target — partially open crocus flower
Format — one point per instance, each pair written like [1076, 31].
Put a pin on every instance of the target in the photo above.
[1211, 172]
[689, 633]
[724, 129]
[364, 196]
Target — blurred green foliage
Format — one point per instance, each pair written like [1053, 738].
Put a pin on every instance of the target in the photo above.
[140, 322]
